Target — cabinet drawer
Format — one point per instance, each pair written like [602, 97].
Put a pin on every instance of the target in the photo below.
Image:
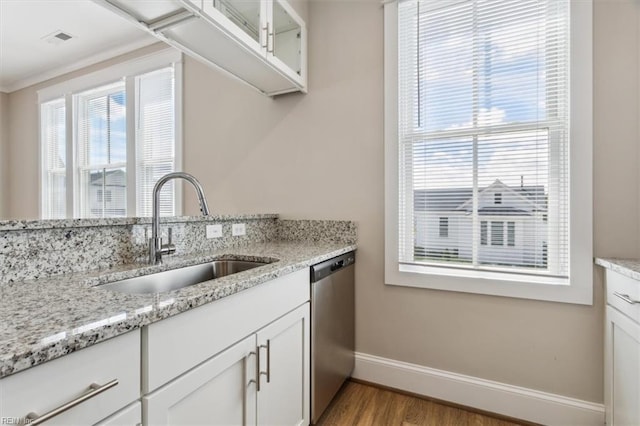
[48, 386]
[177, 344]
[621, 292]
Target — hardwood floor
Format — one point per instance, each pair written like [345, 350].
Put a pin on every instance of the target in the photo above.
[364, 405]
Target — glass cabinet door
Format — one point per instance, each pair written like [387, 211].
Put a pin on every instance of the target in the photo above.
[245, 14]
[286, 36]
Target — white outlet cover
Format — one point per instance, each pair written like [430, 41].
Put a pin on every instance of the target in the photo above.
[214, 231]
[238, 229]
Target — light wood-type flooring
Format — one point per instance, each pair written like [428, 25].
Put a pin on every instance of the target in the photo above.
[358, 404]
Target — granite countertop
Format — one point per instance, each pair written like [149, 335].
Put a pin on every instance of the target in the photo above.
[627, 267]
[44, 319]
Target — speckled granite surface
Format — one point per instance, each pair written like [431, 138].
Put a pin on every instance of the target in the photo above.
[46, 248]
[44, 319]
[626, 267]
[317, 230]
[8, 225]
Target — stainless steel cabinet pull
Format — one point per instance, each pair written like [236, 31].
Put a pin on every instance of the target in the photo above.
[626, 298]
[95, 389]
[257, 379]
[268, 348]
[273, 43]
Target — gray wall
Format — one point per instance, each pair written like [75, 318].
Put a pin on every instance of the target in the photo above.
[4, 151]
[320, 155]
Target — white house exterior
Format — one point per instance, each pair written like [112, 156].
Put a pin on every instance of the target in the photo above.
[512, 228]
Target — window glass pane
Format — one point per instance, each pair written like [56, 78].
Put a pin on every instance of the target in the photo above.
[483, 132]
[53, 139]
[155, 138]
[497, 233]
[103, 192]
[511, 234]
[445, 66]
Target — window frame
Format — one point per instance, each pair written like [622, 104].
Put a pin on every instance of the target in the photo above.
[126, 71]
[578, 288]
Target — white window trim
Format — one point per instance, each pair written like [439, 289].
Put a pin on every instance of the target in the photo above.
[127, 69]
[578, 288]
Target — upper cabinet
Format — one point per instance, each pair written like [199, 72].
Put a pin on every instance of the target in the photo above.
[261, 42]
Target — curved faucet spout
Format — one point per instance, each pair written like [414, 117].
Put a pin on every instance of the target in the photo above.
[156, 248]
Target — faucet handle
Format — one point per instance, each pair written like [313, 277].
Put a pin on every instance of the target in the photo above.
[168, 248]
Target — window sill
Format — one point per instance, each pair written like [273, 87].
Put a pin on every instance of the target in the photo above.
[553, 289]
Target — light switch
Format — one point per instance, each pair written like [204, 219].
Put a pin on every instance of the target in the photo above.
[238, 229]
[214, 231]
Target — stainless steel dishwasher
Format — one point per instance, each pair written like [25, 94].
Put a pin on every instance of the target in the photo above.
[332, 329]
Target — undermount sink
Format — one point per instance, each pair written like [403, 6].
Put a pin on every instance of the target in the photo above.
[182, 277]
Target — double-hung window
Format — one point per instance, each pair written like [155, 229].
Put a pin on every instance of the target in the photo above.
[488, 122]
[107, 137]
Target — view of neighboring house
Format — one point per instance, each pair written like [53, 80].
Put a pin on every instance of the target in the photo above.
[107, 193]
[512, 225]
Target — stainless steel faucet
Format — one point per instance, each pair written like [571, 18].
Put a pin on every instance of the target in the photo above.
[156, 248]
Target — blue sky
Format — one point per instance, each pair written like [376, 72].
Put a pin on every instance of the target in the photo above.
[511, 84]
[102, 149]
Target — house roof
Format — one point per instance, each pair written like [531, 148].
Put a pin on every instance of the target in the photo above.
[459, 199]
[115, 177]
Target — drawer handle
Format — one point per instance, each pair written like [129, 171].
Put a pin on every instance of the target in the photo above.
[95, 389]
[626, 298]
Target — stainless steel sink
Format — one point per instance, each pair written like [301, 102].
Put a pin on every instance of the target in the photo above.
[182, 277]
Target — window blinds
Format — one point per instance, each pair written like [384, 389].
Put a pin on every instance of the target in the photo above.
[155, 136]
[102, 151]
[483, 134]
[54, 159]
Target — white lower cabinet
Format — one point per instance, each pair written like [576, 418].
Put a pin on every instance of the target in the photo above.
[218, 392]
[224, 390]
[622, 350]
[284, 397]
[92, 384]
[622, 371]
[130, 416]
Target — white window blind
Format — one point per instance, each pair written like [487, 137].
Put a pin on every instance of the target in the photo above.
[54, 158]
[107, 137]
[102, 151]
[155, 135]
[483, 138]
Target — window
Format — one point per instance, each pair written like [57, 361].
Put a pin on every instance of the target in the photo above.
[477, 126]
[511, 234]
[118, 128]
[497, 233]
[444, 227]
[483, 233]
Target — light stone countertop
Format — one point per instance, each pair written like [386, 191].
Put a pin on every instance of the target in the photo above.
[627, 267]
[44, 319]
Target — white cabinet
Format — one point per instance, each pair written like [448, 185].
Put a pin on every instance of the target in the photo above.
[224, 390]
[108, 374]
[622, 351]
[221, 391]
[261, 42]
[241, 360]
[130, 416]
[283, 398]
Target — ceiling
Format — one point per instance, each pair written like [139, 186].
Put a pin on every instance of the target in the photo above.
[26, 57]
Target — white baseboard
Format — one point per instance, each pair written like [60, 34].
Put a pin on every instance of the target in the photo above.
[501, 398]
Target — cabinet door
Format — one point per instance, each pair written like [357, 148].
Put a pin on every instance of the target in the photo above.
[221, 391]
[622, 369]
[283, 398]
[286, 43]
[243, 20]
[130, 416]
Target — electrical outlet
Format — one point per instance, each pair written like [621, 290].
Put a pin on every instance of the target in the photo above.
[238, 229]
[214, 231]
